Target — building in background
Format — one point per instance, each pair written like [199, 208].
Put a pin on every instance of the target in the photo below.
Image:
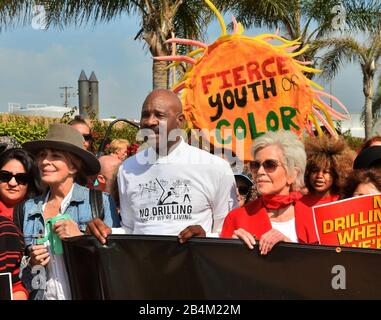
[88, 96]
[355, 125]
[39, 110]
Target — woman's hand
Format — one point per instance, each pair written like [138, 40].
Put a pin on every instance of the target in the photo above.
[269, 239]
[245, 236]
[66, 229]
[39, 255]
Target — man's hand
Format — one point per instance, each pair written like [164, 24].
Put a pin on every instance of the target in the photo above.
[99, 229]
[269, 239]
[191, 231]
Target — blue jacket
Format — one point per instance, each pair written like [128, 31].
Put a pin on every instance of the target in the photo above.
[80, 211]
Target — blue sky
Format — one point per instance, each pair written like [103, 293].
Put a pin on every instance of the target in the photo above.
[35, 63]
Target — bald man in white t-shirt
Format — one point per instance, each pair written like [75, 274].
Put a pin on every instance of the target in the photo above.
[171, 188]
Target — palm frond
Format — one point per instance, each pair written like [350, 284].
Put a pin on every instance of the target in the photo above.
[363, 15]
[191, 20]
[79, 12]
[343, 50]
[15, 13]
[261, 13]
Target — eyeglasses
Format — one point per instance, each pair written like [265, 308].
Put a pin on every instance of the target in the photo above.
[270, 165]
[21, 178]
[243, 191]
[87, 137]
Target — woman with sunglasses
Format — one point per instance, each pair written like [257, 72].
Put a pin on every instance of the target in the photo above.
[19, 180]
[329, 162]
[65, 209]
[84, 129]
[277, 215]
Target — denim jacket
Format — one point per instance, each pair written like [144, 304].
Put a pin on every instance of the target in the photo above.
[79, 210]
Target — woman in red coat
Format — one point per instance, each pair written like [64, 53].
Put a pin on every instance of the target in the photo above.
[278, 214]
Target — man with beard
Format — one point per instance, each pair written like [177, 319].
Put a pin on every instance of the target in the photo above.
[171, 188]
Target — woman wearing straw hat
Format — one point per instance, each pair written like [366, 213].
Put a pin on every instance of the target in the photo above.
[64, 210]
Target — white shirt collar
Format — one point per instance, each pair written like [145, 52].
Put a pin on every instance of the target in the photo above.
[173, 153]
[65, 202]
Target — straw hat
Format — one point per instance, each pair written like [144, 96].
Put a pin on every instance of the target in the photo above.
[66, 138]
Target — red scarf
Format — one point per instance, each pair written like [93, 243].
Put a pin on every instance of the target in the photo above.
[276, 201]
[6, 211]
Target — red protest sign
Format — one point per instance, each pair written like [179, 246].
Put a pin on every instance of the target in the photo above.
[354, 222]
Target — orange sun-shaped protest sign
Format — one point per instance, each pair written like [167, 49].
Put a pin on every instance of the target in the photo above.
[240, 87]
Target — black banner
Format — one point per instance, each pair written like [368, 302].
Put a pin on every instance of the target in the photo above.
[157, 267]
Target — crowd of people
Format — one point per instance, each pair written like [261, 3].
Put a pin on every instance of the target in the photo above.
[55, 188]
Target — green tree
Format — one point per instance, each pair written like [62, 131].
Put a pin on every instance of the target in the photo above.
[307, 20]
[160, 19]
[377, 101]
[367, 54]
[314, 20]
[14, 13]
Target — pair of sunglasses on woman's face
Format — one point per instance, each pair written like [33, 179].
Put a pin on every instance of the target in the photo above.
[87, 137]
[21, 178]
[269, 165]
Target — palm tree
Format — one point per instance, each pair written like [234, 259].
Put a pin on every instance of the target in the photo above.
[311, 20]
[13, 13]
[160, 19]
[367, 54]
[307, 20]
[377, 101]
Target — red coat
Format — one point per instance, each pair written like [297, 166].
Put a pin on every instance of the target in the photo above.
[312, 200]
[6, 211]
[253, 218]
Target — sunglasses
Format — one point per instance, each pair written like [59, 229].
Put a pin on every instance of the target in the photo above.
[243, 191]
[270, 165]
[21, 178]
[87, 137]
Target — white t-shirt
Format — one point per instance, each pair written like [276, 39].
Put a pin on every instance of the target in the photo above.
[164, 195]
[57, 284]
[287, 228]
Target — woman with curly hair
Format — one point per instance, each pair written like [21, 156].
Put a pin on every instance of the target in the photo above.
[329, 162]
[362, 182]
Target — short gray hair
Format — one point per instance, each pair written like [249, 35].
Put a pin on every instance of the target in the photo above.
[292, 149]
